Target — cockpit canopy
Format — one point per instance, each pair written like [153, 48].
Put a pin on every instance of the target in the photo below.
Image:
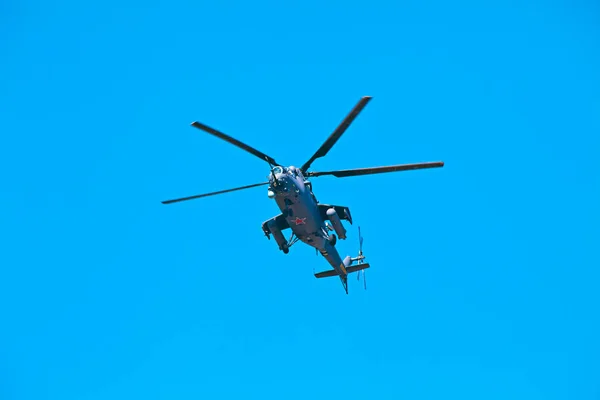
[293, 171]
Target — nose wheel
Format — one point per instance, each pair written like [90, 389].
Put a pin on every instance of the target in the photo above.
[285, 247]
[332, 239]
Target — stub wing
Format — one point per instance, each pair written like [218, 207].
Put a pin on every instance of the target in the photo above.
[342, 211]
[279, 221]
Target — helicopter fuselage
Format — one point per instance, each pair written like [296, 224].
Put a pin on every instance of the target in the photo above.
[298, 204]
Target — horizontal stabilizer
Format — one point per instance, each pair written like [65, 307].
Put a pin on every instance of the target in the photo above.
[354, 268]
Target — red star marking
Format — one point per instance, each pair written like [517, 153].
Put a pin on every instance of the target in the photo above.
[300, 221]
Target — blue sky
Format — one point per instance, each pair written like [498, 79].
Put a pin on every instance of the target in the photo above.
[484, 273]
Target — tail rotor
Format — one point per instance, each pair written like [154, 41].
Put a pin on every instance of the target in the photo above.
[360, 260]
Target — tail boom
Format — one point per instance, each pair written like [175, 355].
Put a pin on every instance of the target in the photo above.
[342, 268]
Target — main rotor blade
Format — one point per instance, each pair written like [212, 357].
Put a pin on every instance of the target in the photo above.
[235, 142]
[377, 170]
[337, 133]
[214, 193]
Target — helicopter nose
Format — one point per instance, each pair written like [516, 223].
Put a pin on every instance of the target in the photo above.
[281, 182]
[280, 177]
[276, 182]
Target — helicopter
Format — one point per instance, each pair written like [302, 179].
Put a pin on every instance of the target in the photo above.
[311, 222]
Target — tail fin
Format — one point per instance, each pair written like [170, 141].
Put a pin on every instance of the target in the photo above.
[347, 268]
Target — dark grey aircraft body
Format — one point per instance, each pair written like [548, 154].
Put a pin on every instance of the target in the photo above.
[301, 212]
[308, 220]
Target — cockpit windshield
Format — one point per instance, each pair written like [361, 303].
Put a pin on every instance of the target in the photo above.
[277, 170]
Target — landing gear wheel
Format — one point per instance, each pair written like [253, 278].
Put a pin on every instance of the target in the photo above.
[285, 249]
[332, 239]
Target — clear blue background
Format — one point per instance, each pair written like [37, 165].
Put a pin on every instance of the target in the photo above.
[484, 279]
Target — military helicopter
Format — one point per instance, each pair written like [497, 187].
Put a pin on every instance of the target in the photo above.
[310, 221]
